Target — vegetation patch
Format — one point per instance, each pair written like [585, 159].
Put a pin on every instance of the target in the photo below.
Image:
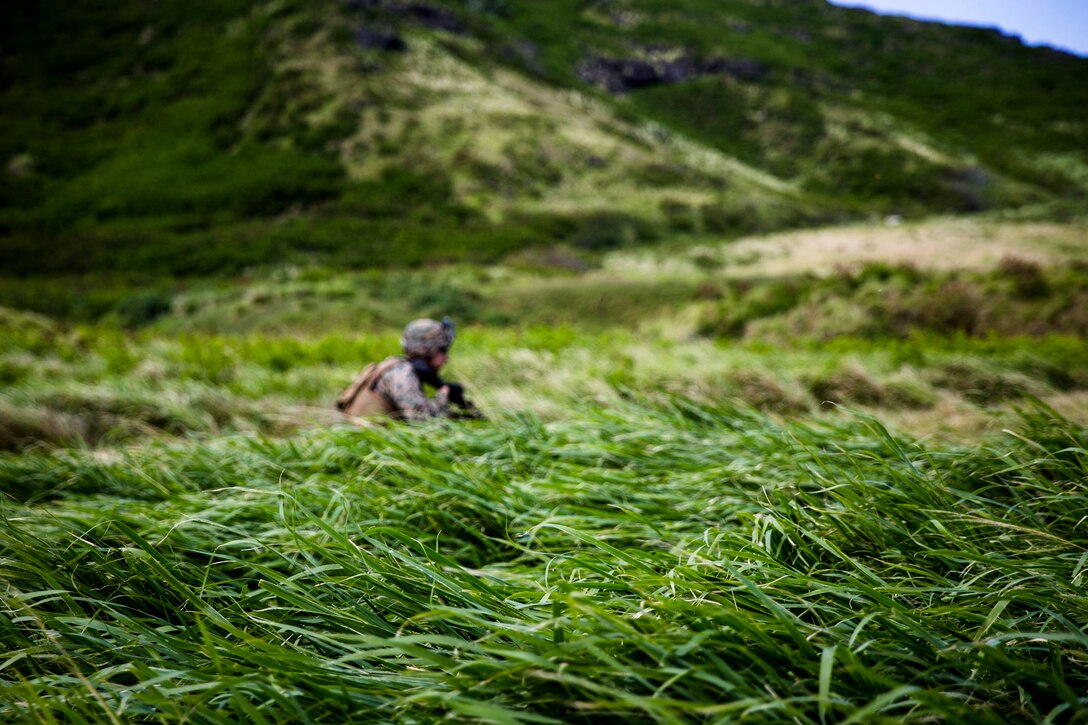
[882, 301]
[522, 570]
[190, 140]
[681, 505]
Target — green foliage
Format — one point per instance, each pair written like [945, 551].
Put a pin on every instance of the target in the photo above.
[103, 386]
[981, 383]
[778, 130]
[710, 110]
[176, 138]
[600, 231]
[881, 301]
[431, 299]
[746, 302]
[606, 303]
[143, 308]
[193, 181]
[523, 571]
[1028, 278]
[623, 543]
[75, 299]
[401, 193]
[890, 176]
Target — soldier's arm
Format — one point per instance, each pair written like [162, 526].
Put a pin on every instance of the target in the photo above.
[402, 387]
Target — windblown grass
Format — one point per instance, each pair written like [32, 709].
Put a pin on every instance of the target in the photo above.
[663, 561]
[106, 387]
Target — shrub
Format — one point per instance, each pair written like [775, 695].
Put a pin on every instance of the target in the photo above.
[604, 230]
[765, 391]
[400, 192]
[903, 273]
[1057, 376]
[1029, 281]
[946, 307]
[730, 317]
[22, 428]
[908, 391]
[729, 219]
[848, 384]
[679, 216]
[659, 175]
[556, 258]
[443, 299]
[143, 308]
[980, 384]
[542, 226]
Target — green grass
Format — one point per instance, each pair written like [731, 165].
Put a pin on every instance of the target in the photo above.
[657, 560]
[648, 526]
[106, 386]
[695, 497]
[879, 301]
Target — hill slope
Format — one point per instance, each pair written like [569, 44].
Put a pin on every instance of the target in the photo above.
[211, 136]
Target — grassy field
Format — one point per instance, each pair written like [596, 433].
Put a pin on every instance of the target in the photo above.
[939, 351]
[709, 488]
[837, 474]
[655, 559]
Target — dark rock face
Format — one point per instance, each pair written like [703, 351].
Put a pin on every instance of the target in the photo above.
[620, 75]
[375, 39]
[743, 68]
[416, 13]
[431, 17]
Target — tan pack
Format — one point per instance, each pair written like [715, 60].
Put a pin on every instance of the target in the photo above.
[361, 400]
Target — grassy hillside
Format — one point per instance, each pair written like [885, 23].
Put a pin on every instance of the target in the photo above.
[190, 139]
[946, 344]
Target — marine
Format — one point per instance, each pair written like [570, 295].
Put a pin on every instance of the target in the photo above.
[393, 388]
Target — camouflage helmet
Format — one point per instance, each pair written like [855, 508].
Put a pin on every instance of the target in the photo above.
[423, 338]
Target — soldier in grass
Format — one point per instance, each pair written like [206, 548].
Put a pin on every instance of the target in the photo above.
[393, 388]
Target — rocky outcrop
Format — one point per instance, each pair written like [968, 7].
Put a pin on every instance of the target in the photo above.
[416, 13]
[620, 75]
[431, 17]
[744, 69]
[377, 39]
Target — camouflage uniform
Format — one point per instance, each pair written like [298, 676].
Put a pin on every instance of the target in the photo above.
[402, 388]
[393, 388]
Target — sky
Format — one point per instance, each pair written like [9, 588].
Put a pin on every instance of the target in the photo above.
[1062, 24]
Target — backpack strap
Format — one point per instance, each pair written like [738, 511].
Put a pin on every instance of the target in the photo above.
[366, 380]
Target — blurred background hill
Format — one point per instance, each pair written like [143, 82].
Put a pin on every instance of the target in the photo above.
[211, 136]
